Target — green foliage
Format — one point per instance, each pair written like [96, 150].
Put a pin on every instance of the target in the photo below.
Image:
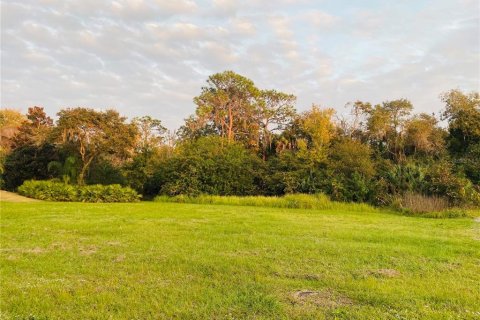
[441, 180]
[242, 141]
[423, 137]
[104, 172]
[407, 177]
[57, 191]
[66, 170]
[352, 170]
[28, 162]
[94, 135]
[296, 172]
[108, 193]
[463, 114]
[348, 157]
[36, 130]
[48, 190]
[209, 165]
[151, 133]
[355, 188]
[470, 163]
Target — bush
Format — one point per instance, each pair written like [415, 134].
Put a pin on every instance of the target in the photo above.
[26, 163]
[442, 180]
[58, 191]
[209, 165]
[108, 193]
[48, 190]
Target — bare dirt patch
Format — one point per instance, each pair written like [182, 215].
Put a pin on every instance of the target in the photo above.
[6, 196]
[324, 299]
[36, 250]
[88, 250]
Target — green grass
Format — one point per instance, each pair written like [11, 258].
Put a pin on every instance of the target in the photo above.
[293, 201]
[310, 201]
[189, 261]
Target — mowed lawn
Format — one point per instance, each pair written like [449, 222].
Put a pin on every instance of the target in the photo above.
[185, 261]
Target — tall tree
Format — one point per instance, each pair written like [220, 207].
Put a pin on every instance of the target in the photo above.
[152, 148]
[94, 134]
[386, 126]
[151, 133]
[228, 106]
[424, 136]
[318, 129]
[462, 111]
[35, 130]
[10, 121]
[277, 111]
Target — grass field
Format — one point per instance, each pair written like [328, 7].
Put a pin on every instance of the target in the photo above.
[190, 261]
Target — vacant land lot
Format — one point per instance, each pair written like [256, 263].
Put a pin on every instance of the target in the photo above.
[185, 261]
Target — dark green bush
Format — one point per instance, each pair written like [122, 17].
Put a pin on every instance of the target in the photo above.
[208, 165]
[28, 162]
[58, 191]
[441, 180]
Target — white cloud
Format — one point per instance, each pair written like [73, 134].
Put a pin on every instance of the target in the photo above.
[153, 57]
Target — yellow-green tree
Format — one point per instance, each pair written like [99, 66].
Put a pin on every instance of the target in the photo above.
[93, 134]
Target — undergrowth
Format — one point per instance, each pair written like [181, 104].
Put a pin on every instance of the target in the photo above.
[292, 201]
[311, 201]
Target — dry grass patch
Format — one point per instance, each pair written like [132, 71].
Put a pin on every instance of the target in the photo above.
[418, 203]
[88, 250]
[325, 299]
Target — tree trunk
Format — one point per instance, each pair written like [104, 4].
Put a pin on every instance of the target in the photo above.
[81, 175]
[230, 124]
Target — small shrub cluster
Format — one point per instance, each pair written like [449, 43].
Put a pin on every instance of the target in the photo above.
[295, 201]
[48, 190]
[58, 191]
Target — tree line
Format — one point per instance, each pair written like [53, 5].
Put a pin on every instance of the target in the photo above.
[243, 140]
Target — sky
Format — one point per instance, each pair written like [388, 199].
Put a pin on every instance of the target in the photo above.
[153, 57]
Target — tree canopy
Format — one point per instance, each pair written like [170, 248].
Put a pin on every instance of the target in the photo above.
[244, 140]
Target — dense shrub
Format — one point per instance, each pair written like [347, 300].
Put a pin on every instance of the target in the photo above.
[28, 162]
[290, 172]
[441, 180]
[103, 172]
[208, 165]
[108, 193]
[48, 190]
[58, 191]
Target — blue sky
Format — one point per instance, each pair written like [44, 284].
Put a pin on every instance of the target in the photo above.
[153, 57]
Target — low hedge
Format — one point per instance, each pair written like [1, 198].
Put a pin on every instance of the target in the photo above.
[58, 191]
